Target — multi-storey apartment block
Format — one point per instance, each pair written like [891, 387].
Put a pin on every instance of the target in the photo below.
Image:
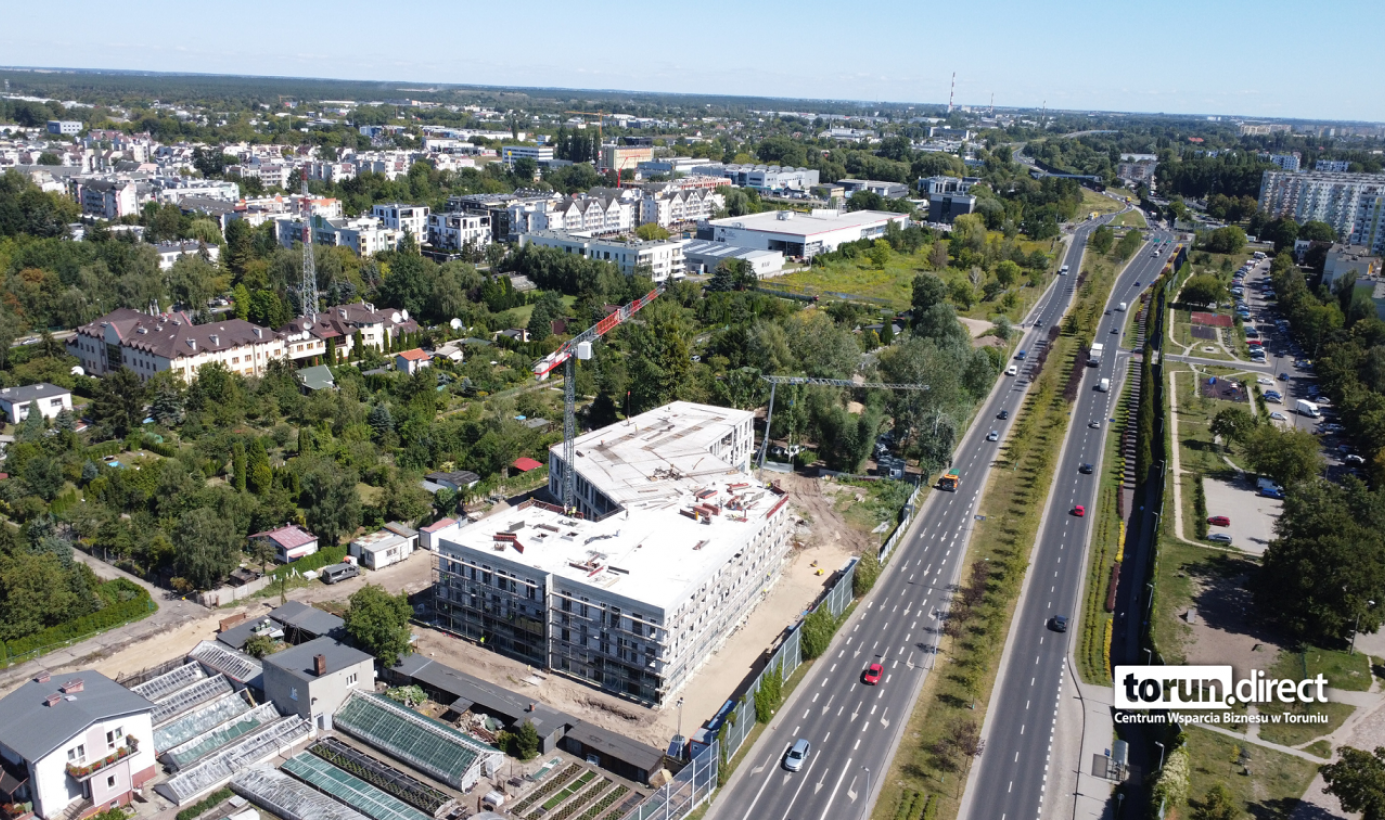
[674, 546]
[1350, 203]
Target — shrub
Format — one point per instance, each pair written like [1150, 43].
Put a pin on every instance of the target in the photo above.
[204, 805]
[1199, 507]
[318, 560]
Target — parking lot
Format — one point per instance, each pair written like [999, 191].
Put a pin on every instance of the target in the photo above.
[1252, 516]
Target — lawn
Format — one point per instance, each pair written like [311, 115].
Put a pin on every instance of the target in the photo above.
[1092, 201]
[1177, 567]
[1272, 790]
[1134, 218]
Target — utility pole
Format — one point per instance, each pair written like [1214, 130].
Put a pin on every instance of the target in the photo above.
[952, 93]
[308, 289]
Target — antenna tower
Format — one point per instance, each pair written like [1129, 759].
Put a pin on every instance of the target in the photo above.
[308, 292]
[951, 93]
[991, 113]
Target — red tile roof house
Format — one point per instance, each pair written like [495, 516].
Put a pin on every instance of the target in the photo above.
[290, 543]
[411, 361]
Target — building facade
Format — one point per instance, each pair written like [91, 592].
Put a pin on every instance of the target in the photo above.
[149, 344]
[17, 402]
[800, 235]
[538, 153]
[411, 218]
[1350, 203]
[313, 679]
[762, 177]
[659, 259]
[455, 231]
[675, 546]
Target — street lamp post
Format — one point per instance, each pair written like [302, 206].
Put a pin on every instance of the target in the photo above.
[865, 805]
[1161, 755]
[682, 744]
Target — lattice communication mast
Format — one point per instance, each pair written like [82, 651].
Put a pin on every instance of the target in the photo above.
[308, 290]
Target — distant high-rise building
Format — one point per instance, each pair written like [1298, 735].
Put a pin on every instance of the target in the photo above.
[1353, 204]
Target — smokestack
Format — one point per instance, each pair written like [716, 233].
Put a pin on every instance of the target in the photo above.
[320, 664]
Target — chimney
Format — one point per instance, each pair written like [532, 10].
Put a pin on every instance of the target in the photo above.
[42, 676]
[54, 700]
[320, 664]
[73, 686]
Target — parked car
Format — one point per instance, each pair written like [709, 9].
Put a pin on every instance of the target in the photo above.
[1219, 537]
[338, 572]
[1278, 416]
[1219, 521]
[1352, 458]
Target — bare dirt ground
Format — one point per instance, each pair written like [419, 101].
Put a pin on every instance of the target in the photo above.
[976, 327]
[1225, 631]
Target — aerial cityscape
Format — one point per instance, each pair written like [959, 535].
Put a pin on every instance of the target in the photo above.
[395, 429]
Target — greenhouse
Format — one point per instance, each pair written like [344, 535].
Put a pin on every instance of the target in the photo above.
[285, 797]
[436, 749]
[411, 790]
[220, 766]
[356, 793]
[188, 697]
[203, 745]
[157, 689]
[202, 719]
[238, 667]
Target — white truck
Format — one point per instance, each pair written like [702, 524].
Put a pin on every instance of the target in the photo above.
[1307, 408]
[1121, 307]
[1104, 386]
[1094, 355]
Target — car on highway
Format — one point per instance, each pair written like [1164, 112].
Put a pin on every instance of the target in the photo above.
[1003, 415]
[1084, 469]
[1115, 330]
[1278, 416]
[1012, 371]
[1079, 511]
[994, 435]
[797, 754]
[1058, 623]
[1022, 355]
[1219, 521]
[1136, 285]
[1095, 425]
[871, 677]
[1219, 537]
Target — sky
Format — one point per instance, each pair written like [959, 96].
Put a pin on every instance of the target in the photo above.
[1268, 58]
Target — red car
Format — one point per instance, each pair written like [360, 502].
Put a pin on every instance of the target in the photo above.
[873, 673]
[1079, 511]
[1219, 521]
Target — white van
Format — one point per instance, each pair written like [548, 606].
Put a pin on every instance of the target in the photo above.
[1121, 306]
[1104, 386]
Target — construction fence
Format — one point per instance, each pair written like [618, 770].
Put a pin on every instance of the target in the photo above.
[906, 517]
[696, 782]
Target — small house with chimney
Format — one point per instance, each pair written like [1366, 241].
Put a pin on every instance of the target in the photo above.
[312, 680]
[73, 745]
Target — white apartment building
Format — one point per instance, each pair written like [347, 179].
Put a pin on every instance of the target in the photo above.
[108, 199]
[671, 166]
[65, 128]
[333, 172]
[668, 206]
[660, 259]
[304, 338]
[397, 217]
[176, 189]
[79, 737]
[676, 545]
[454, 231]
[171, 252]
[365, 235]
[1347, 202]
[274, 174]
[538, 153]
[149, 344]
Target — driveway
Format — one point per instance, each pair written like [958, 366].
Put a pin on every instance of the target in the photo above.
[1252, 516]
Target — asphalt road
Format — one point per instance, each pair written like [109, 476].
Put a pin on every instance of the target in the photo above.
[854, 728]
[1009, 781]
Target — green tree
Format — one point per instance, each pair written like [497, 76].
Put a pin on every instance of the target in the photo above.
[867, 572]
[1232, 424]
[331, 505]
[526, 741]
[1358, 780]
[259, 478]
[1007, 272]
[1217, 804]
[378, 623]
[1203, 289]
[381, 422]
[118, 404]
[1129, 244]
[207, 547]
[1102, 239]
[33, 426]
[928, 290]
[259, 646]
[1287, 456]
[817, 632]
[651, 231]
[1230, 239]
[238, 464]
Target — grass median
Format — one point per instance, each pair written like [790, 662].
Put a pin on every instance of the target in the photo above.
[940, 740]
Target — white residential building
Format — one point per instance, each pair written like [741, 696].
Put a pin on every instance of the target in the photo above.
[676, 545]
[538, 153]
[304, 338]
[1347, 202]
[80, 738]
[763, 177]
[660, 259]
[364, 234]
[17, 402]
[65, 128]
[669, 206]
[411, 218]
[170, 252]
[454, 231]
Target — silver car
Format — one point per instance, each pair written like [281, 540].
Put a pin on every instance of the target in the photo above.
[798, 755]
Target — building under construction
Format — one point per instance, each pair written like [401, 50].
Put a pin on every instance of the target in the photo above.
[672, 545]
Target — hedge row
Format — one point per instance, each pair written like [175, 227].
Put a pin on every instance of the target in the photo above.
[206, 804]
[1199, 507]
[112, 615]
[162, 448]
[917, 806]
[318, 560]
